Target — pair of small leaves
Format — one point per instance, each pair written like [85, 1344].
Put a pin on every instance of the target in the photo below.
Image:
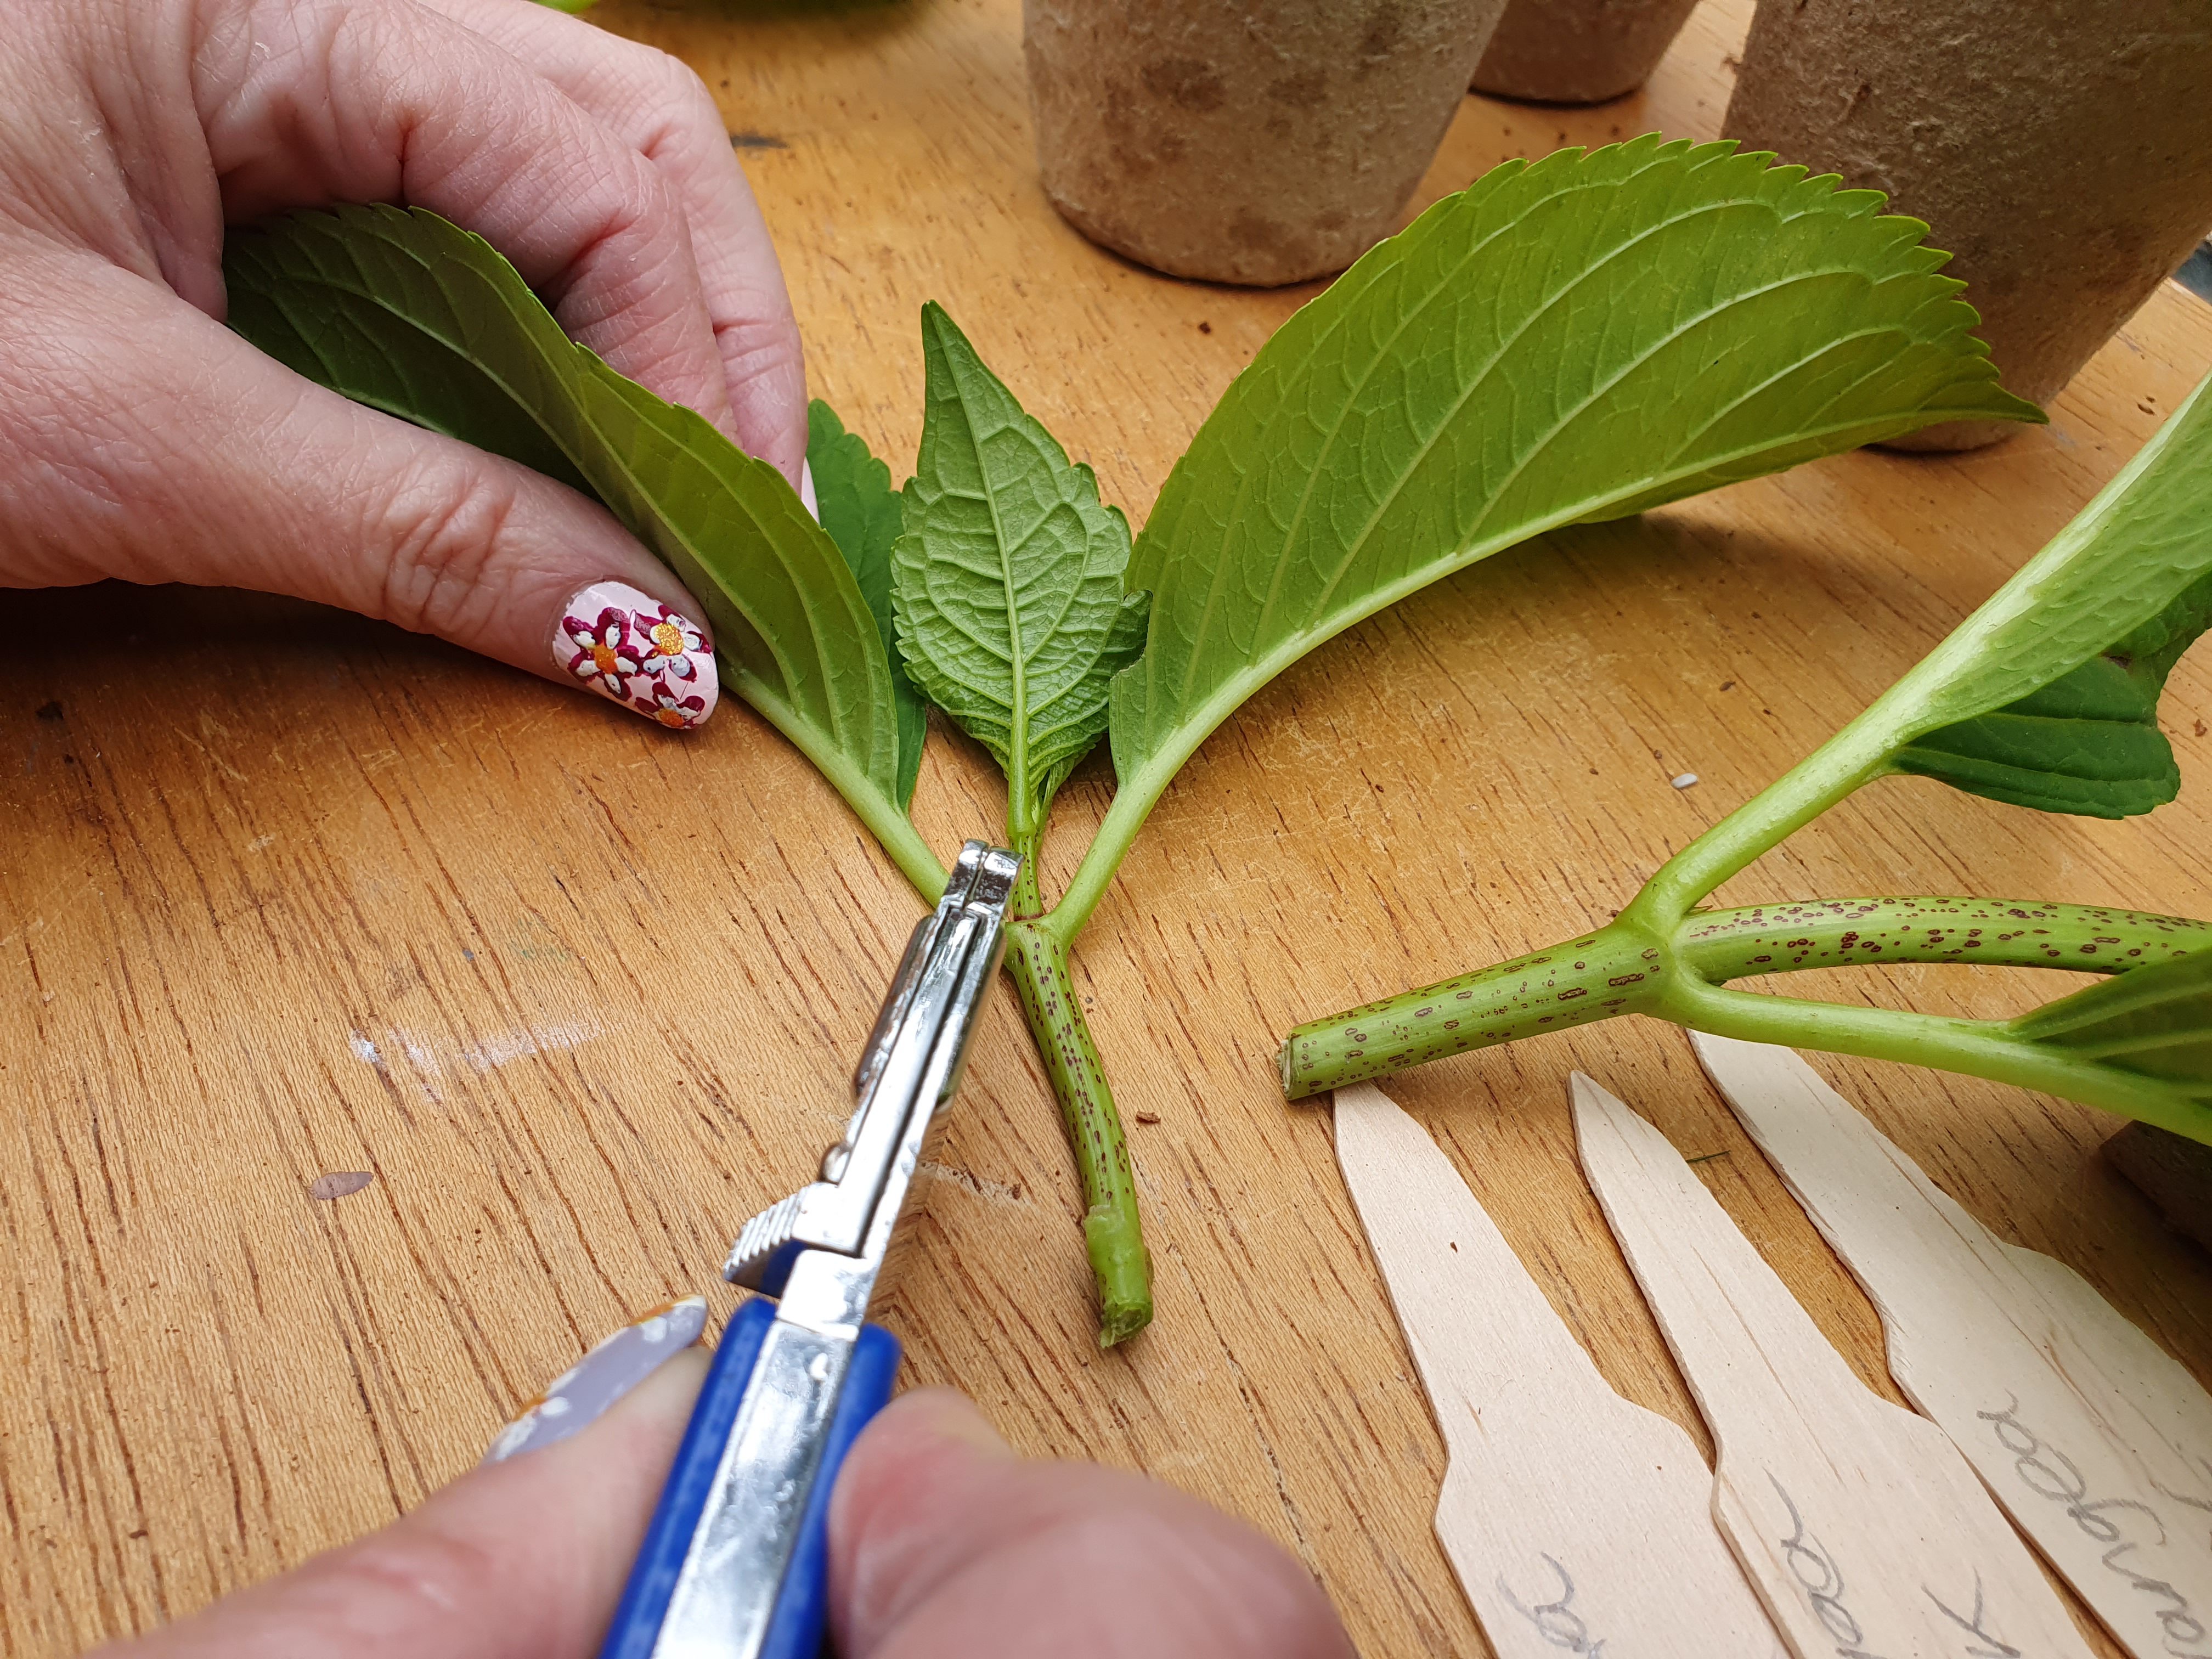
[1009, 580]
[994, 578]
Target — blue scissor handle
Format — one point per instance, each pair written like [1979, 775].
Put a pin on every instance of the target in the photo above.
[796, 1632]
[799, 1629]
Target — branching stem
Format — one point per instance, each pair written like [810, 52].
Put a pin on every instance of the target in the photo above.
[1627, 968]
[1619, 971]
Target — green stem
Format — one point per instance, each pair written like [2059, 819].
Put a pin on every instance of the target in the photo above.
[1855, 756]
[1718, 946]
[1134, 798]
[1112, 1229]
[1029, 899]
[1621, 971]
[1624, 970]
[1976, 1047]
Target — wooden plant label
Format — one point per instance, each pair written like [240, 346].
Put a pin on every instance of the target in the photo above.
[1866, 1532]
[1578, 1523]
[2096, 1441]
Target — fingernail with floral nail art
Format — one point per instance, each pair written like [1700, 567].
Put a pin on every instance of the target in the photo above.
[582, 1394]
[634, 650]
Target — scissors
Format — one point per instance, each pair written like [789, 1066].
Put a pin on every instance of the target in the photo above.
[735, 1564]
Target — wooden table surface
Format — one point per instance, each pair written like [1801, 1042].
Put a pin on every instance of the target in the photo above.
[289, 894]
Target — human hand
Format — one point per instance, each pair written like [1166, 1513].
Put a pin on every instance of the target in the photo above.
[139, 439]
[944, 1545]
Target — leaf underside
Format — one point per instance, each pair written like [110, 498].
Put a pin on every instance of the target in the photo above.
[2154, 1021]
[1007, 581]
[1565, 342]
[403, 311]
[861, 512]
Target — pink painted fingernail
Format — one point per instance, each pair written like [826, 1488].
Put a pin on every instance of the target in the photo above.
[632, 649]
[582, 1394]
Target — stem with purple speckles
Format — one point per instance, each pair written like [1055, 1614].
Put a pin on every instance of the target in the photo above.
[1621, 971]
[1719, 946]
[1625, 968]
[1112, 1230]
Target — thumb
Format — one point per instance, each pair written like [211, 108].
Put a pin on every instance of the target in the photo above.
[944, 1545]
[151, 443]
[522, 1559]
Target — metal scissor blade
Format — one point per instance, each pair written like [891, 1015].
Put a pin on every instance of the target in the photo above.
[735, 1564]
[911, 1063]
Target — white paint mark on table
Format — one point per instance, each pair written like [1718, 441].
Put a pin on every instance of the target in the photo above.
[429, 1054]
[530, 1039]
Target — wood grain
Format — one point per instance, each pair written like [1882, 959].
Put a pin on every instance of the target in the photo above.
[613, 979]
[1574, 1519]
[1862, 1528]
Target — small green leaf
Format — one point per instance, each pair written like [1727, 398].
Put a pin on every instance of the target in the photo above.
[2088, 742]
[2155, 1022]
[402, 310]
[861, 511]
[1007, 582]
[1570, 341]
[2047, 696]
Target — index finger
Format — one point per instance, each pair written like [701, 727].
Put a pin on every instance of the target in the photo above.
[307, 102]
[656, 104]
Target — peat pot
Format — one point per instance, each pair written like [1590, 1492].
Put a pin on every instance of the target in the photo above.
[1578, 51]
[2062, 152]
[1245, 141]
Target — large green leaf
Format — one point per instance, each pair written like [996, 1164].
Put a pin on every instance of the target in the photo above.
[403, 311]
[2154, 1022]
[1570, 341]
[1008, 580]
[861, 512]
